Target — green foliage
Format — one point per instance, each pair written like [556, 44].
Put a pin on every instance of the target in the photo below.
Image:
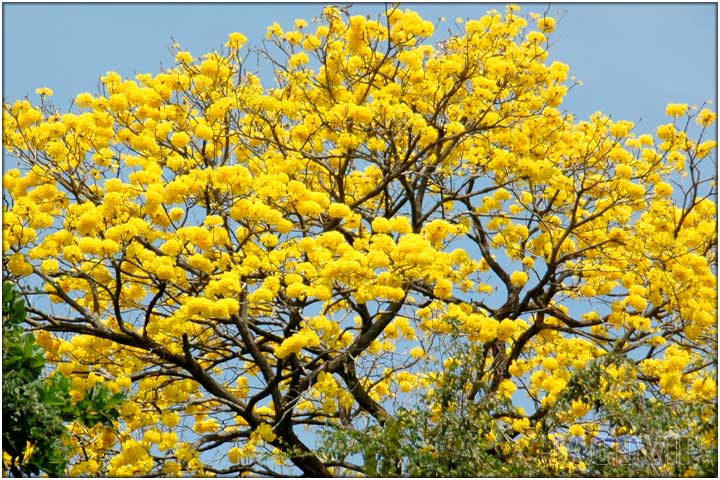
[461, 430]
[35, 410]
[646, 434]
[20, 353]
[661, 445]
[448, 435]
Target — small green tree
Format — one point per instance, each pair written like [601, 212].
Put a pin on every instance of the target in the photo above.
[460, 429]
[35, 409]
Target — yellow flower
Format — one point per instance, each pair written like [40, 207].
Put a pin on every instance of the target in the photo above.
[176, 214]
[296, 342]
[579, 408]
[201, 263]
[123, 381]
[518, 278]
[381, 225]
[236, 40]
[443, 288]
[676, 109]
[623, 171]
[704, 149]
[274, 30]
[576, 430]
[536, 37]
[521, 424]
[50, 266]
[309, 208]
[400, 225]
[235, 454]
[417, 352]
[666, 132]
[153, 436]
[170, 419]
[18, 266]
[184, 57]
[546, 24]
[663, 189]
[180, 139]
[637, 302]
[296, 290]
[298, 59]
[265, 432]
[506, 329]
[706, 117]
[204, 131]
[44, 91]
[506, 388]
[550, 363]
[207, 425]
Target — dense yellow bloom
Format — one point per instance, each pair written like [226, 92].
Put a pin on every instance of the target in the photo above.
[265, 432]
[706, 117]
[506, 329]
[180, 139]
[240, 255]
[676, 109]
[235, 454]
[506, 388]
[519, 278]
[443, 288]
[546, 24]
[417, 352]
[296, 342]
[236, 40]
[18, 266]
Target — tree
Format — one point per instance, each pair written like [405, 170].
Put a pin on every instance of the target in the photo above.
[257, 262]
[448, 434]
[35, 438]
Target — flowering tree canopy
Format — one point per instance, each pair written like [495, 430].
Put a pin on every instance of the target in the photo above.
[251, 265]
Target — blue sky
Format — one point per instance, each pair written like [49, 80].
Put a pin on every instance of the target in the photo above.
[632, 58]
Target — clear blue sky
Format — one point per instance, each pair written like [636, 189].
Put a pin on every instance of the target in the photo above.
[632, 58]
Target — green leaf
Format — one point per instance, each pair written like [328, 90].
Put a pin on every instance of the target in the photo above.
[36, 410]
